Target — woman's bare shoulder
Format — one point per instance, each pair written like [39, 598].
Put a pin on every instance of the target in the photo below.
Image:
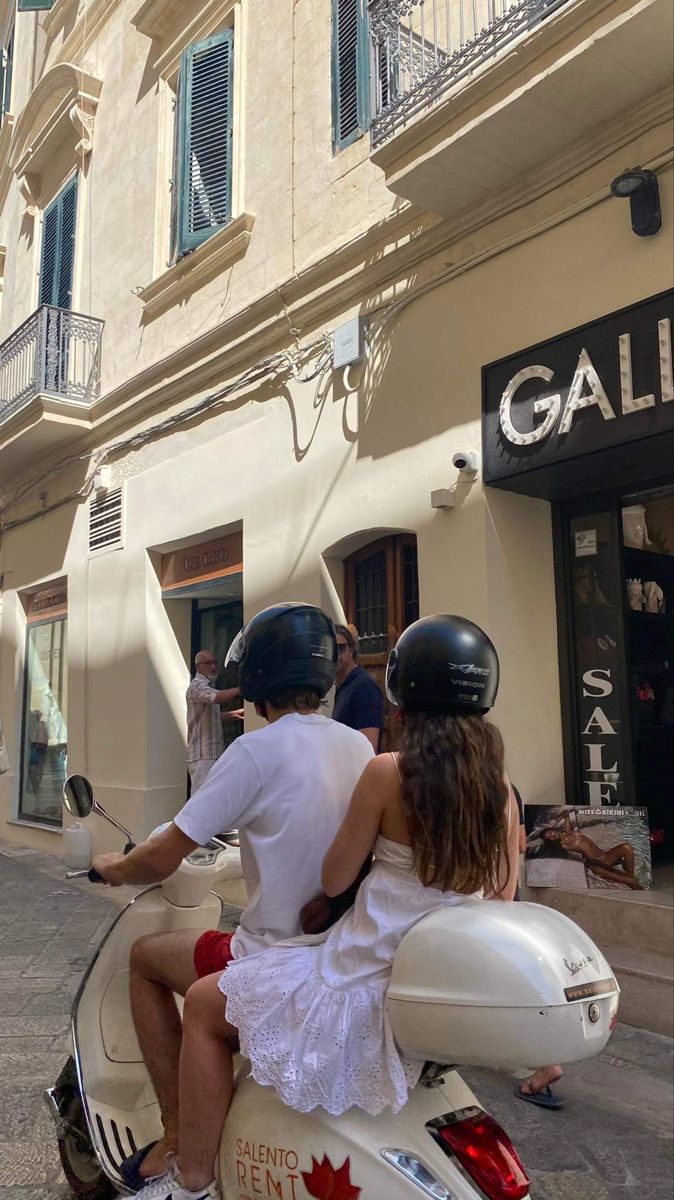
[381, 777]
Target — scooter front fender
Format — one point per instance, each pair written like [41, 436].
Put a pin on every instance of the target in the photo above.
[119, 1101]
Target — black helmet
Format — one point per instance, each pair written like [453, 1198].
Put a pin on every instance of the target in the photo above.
[443, 663]
[283, 647]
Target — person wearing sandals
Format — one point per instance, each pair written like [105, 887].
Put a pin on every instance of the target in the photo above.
[537, 1088]
[310, 1012]
[286, 787]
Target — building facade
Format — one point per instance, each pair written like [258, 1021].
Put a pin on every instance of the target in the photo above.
[269, 271]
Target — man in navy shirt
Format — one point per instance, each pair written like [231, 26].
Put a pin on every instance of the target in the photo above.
[358, 701]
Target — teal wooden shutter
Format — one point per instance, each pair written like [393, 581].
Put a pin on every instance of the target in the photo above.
[6, 76]
[58, 248]
[35, 5]
[205, 139]
[350, 71]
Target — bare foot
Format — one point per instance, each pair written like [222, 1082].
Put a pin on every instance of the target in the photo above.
[154, 1163]
[542, 1078]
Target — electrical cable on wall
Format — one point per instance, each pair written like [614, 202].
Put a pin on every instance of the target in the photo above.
[276, 366]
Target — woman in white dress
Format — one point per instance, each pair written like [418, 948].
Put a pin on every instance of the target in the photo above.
[310, 1013]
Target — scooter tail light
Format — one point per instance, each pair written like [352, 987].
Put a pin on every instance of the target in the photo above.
[487, 1154]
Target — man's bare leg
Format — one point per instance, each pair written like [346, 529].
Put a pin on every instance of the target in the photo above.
[161, 965]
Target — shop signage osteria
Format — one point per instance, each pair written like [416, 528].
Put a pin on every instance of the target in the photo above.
[202, 561]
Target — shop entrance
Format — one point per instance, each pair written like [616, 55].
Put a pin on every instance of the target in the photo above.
[215, 624]
[615, 558]
[202, 582]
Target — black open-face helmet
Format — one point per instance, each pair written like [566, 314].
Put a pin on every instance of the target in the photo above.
[284, 647]
[443, 663]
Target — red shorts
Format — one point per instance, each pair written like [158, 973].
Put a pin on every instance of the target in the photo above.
[212, 952]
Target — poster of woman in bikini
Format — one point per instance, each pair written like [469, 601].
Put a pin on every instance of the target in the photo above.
[597, 848]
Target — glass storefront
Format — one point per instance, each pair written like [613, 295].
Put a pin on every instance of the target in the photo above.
[45, 728]
[617, 609]
[648, 548]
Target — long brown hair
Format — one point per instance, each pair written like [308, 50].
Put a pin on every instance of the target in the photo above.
[454, 797]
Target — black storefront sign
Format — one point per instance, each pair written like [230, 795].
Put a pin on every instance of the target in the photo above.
[591, 409]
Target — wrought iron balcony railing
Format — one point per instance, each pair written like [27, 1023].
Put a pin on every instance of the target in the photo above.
[420, 48]
[55, 352]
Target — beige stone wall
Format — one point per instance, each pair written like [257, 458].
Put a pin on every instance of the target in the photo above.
[305, 476]
[305, 200]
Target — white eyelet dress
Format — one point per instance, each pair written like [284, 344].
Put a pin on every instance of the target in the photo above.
[311, 1012]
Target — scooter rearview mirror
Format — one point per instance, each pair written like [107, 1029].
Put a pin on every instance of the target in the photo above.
[78, 796]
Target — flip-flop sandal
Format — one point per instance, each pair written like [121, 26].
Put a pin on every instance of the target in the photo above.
[129, 1169]
[544, 1099]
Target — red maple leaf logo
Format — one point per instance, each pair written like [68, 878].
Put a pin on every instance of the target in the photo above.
[323, 1182]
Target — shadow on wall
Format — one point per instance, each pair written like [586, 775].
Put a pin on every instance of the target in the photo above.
[27, 555]
[412, 390]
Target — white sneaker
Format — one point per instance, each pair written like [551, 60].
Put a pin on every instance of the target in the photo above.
[170, 1187]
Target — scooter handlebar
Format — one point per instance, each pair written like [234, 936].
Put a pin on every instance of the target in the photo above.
[92, 875]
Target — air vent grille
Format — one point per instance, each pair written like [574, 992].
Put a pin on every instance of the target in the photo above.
[105, 521]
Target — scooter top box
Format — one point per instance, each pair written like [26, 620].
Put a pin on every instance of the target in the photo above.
[502, 985]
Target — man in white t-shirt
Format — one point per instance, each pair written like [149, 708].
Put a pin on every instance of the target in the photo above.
[286, 788]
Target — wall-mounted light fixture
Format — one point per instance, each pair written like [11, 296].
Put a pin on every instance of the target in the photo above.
[640, 187]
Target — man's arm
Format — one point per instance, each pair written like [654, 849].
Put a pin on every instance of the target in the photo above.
[368, 713]
[372, 736]
[203, 693]
[358, 831]
[152, 861]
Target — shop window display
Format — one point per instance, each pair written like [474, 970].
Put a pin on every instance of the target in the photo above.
[618, 590]
[45, 730]
[648, 538]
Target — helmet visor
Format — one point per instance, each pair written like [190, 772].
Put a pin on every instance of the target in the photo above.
[237, 649]
[390, 675]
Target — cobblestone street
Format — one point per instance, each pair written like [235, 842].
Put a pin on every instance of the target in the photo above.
[613, 1139]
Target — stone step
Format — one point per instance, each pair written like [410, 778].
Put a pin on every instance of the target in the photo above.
[635, 920]
[646, 988]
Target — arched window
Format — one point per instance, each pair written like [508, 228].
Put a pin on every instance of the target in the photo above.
[382, 591]
[381, 599]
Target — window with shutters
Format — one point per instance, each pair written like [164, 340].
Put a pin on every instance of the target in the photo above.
[58, 248]
[6, 76]
[350, 71]
[202, 183]
[382, 591]
[381, 599]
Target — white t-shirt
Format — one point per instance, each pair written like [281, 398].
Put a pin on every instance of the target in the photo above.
[286, 788]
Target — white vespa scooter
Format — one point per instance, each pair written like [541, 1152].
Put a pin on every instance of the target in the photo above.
[482, 983]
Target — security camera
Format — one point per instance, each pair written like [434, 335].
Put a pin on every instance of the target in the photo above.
[466, 462]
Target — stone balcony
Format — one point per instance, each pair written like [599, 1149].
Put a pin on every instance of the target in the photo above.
[49, 378]
[473, 100]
